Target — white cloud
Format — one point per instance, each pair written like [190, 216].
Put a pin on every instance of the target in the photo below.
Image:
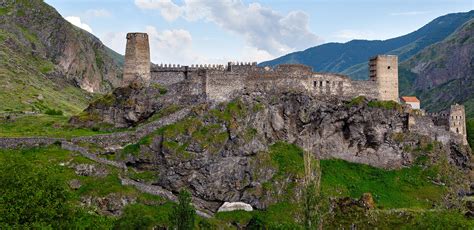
[167, 46]
[171, 46]
[263, 28]
[98, 13]
[254, 54]
[168, 9]
[409, 13]
[77, 22]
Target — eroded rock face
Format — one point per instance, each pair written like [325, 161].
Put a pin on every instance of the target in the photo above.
[77, 55]
[221, 152]
[129, 106]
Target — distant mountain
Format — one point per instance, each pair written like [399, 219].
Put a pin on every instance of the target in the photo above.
[443, 73]
[351, 58]
[45, 60]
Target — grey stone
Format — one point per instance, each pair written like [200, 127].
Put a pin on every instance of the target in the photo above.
[235, 206]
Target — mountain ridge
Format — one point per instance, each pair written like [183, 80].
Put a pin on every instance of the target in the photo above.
[351, 57]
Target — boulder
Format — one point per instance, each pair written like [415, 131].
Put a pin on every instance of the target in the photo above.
[234, 206]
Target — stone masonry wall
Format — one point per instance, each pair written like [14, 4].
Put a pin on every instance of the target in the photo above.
[383, 69]
[457, 122]
[28, 142]
[137, 59]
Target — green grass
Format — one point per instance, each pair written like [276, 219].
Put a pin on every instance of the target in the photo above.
[392, 105]
[22, 79]
[4, 10]
[41, 125]
[145, 176]
[407, 190]
[404, 188]
[288, 158]
[356, 101]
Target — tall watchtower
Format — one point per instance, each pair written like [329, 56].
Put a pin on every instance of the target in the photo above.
[457, 121]
[383, 69]
[137, 60]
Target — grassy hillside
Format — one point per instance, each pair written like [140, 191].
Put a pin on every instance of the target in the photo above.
[45, 61]
[404, 198]
[25, 84]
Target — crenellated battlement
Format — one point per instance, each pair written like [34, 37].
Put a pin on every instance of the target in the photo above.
[137, 35]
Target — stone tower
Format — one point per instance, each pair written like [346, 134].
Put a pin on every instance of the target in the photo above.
[383, 69]
[137, 60]
[457, 121]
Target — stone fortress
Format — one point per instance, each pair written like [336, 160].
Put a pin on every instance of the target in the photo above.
[220, 83]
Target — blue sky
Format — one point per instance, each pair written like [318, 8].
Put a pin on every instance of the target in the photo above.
[217, 31]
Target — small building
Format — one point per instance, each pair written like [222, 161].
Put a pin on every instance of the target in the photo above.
[412, 101]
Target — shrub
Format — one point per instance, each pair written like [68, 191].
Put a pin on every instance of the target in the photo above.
[54, 112]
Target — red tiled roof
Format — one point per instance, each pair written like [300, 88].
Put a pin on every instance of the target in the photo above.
[410, 99]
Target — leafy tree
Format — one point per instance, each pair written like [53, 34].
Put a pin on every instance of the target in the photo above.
[134, 218]
[183, 215]
[32, 196]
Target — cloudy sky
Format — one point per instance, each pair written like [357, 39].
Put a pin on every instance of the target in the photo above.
[217, 31]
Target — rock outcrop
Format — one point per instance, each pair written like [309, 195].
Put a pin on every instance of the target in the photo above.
[226, 152]
[235, 206]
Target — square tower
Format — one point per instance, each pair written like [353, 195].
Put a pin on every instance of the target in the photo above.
[383, 69]
[457, 121]
[137, 60]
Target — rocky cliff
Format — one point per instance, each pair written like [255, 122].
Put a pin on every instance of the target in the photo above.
[37, 31]
[246, 150]
[443, 73]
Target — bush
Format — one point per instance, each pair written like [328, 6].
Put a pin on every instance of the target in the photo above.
[54, 112]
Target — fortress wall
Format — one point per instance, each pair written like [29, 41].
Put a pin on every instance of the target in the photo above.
[223, 85]
[367, 89]
[424, 125]
[167, 77]
[293, 70]
[329, 84]
[273, 83]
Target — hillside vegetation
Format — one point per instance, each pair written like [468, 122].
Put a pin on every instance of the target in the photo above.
[57, 205]
[46, 61]
[443, 74]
